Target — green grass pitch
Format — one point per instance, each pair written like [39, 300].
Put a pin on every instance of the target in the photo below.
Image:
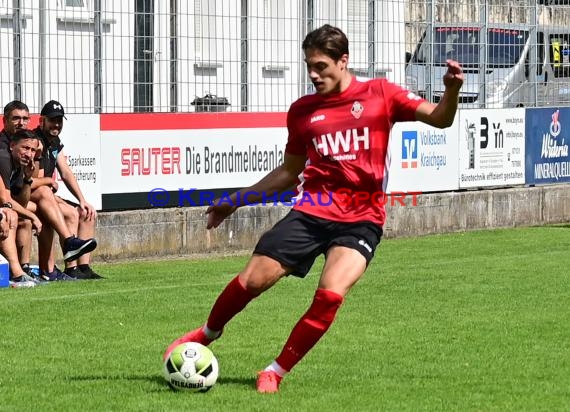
[476, 321]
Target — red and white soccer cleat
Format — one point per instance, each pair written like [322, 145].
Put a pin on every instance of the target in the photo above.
[197, 335]
[268, 382]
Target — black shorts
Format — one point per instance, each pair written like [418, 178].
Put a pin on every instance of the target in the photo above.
[297, 239]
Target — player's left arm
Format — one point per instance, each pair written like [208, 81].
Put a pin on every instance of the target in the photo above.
[87, 211]
[442, 114]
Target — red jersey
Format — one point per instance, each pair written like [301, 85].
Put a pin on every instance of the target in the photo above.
[345, 138]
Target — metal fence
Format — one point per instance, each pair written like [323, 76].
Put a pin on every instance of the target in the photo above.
[229, 55]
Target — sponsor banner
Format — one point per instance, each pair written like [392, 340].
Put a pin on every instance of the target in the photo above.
[183, 154]
[491, 147]
[422, 158]
[142, 160]
[547, 141]
[80, 137]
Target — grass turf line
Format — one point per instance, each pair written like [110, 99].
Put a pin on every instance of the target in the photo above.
[467, 322]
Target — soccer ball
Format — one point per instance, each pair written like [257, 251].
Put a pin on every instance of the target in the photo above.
[191, 367]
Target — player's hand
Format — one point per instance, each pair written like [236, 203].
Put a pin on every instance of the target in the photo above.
[453, 78]
[86, 211]
[29, 170]
[218, 212]
[36, 226]
[54, 185]
[4, 224]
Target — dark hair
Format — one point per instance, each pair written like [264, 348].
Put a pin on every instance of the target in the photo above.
[329, 40]
[24, 134]
[15, 105]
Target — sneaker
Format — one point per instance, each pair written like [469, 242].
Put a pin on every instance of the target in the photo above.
[88, 273]
[268, 382]
[76, 273]
[21, 282]
[55, 276]
[197, 335]
[73, 247]
[30, 278]
[35, 273]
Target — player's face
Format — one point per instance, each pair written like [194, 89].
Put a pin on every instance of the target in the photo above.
[24, 151]
[325, 73]
[17, 119]
[52, 127]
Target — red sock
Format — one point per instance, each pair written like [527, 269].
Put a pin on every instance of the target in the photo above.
[231, 301]
[310, 328]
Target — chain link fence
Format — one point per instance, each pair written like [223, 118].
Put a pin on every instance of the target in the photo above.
[245, 55]
[514, 53]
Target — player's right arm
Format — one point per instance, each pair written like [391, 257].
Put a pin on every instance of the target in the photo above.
[278, 180]
[442, 114]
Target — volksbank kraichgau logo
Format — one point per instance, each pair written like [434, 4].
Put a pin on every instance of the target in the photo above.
[409, 150]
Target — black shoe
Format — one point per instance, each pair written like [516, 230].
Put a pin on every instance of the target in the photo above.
[76, 273]
[26, 268]
[55, 276]
[88, 272]
[73, 247]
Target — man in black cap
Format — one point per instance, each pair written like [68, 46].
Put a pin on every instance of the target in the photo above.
[81, 217]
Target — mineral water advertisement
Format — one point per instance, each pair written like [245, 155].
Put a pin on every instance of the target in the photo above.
[491, 147]
[547, 137]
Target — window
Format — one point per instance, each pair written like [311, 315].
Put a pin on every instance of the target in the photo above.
[74, 11]
[357, 32]
[205, 21]
[540, 52]
[504, 47]
[144, 56]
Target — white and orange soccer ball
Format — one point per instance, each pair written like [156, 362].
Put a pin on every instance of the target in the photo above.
[191, 367]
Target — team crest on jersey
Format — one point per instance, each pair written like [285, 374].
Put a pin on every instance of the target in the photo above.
[357, 110]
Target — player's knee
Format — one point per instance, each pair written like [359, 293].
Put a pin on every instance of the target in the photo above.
[260, 274]
[42, 191]
[253, 284]
[325, 306]
[25, 224]
[257, 282]
[72, 214]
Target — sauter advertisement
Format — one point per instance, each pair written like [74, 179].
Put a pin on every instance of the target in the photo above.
[173, 154]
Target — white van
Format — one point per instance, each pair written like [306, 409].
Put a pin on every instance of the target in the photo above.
[505, 75]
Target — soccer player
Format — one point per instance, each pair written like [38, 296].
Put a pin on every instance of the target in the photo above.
[337, 144]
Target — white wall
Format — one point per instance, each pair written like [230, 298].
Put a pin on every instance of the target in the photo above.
[275, 68]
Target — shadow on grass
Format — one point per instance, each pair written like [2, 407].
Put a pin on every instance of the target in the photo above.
[159, 380]
[560, 226]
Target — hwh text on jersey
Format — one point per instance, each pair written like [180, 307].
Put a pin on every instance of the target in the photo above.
[342, 143]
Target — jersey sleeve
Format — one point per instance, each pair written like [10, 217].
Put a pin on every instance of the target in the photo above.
[402, 104]
[295, 144]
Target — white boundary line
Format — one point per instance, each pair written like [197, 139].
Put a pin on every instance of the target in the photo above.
[28, 298]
